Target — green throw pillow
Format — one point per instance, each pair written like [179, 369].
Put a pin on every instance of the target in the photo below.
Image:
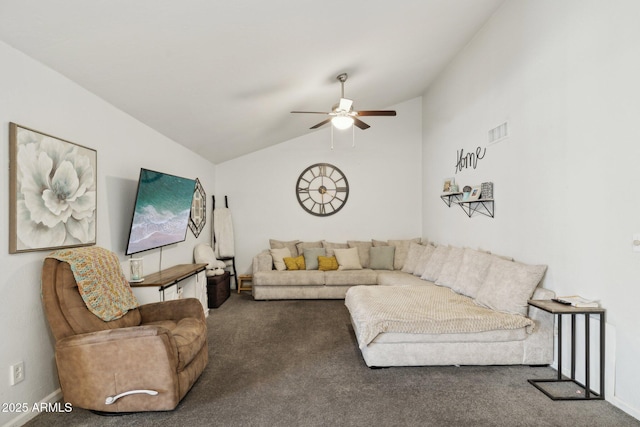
[381, 257]
[311, 257]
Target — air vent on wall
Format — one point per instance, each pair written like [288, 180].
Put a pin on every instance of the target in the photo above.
[499, 133]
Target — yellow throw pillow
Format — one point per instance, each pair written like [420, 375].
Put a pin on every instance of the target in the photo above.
[296, 263]
[326, 263]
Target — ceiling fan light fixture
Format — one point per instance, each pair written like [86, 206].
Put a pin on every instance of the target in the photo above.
[342, 122]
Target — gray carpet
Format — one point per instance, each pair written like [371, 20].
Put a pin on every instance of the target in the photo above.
[296, 363]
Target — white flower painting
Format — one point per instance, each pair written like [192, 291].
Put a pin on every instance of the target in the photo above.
[53, 192]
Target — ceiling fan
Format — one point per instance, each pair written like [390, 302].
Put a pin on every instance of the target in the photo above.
[342, 115]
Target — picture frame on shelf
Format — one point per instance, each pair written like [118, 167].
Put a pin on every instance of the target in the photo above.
[447, 185]
[52, 192]
[475, 193]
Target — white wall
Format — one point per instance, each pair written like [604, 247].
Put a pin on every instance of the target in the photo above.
[565, 76]
[383, 170]
[37, 97]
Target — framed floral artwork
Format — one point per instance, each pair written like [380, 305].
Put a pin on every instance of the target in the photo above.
[52, 192]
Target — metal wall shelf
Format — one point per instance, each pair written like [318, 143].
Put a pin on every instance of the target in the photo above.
[448, 198]
[469, 207]
[484, 207]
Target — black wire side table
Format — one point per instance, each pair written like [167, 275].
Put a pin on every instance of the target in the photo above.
[559, 310]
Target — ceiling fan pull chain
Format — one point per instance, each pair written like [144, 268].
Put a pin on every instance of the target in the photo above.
[331, 138]
[353, 137]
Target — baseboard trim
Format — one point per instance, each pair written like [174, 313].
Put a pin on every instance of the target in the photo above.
[24, 417]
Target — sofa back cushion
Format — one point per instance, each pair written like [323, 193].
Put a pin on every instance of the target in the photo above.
[451, 267]
[363, 251]
[472, 272]
[421, 265]
[415, 251]
[279, 244]
[436, 261]
[330, 246]
[509, 285]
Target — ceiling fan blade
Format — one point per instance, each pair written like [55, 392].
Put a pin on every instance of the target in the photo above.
[362, 125]
[324, 122]
[310, 112]
[376, 113]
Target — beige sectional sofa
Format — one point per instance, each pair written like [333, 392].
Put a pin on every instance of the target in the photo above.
[429, 305]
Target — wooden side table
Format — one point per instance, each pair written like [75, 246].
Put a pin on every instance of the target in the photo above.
[559, 310]
[244, 278]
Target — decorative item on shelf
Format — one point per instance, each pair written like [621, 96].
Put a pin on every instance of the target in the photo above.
[475, 194]
[448, 184]
[454, 188]
[487, 190]
[136, 267]
[466, 192]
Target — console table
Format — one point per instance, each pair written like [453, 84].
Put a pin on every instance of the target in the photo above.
[160, 286]
[559, 310]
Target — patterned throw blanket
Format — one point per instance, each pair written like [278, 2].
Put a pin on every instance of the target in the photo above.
[422, 310]
[100, 279]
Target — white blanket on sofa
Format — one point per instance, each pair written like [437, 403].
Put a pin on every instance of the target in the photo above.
[422, 310]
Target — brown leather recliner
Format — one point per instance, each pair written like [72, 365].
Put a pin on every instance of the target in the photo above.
[146, 360]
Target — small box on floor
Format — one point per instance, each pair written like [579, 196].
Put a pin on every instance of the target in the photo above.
[218, 289]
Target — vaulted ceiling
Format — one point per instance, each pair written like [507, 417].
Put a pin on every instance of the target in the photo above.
[221, 77]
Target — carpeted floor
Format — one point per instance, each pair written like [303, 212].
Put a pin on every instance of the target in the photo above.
[296, 363]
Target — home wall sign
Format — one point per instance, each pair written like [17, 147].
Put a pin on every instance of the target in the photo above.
[465, 161]
[322, 189]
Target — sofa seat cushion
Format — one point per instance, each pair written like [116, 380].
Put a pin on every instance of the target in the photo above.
[398, 278]
[486, 336]
[288, 278]
[350, 277]
[190, 335]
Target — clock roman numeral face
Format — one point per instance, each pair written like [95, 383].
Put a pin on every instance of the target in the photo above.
[322, 189]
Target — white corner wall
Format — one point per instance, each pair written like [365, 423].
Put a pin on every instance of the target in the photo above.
[565, 76]
[383, 170]
[37, 97]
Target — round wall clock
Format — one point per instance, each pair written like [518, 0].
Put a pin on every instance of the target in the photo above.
[198, 216]
[322, 189]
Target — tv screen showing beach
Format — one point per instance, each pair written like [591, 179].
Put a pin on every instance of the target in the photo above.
[161, 212]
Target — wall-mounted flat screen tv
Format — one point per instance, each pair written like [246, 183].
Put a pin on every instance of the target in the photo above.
[161, 212]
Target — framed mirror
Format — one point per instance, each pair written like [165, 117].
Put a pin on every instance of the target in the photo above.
[198, 216]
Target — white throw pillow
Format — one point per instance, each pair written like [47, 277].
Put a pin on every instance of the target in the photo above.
[421, 265]
[450, 269]
[473, 270]
[348, 259]
[402, 249]
[414, 253]
[509, 285]
[278, 256]
[203, 253]
[434, 266]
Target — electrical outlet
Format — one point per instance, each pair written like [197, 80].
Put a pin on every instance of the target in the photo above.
[17, 373]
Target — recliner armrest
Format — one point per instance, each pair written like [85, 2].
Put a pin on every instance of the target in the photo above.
[172, 310]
